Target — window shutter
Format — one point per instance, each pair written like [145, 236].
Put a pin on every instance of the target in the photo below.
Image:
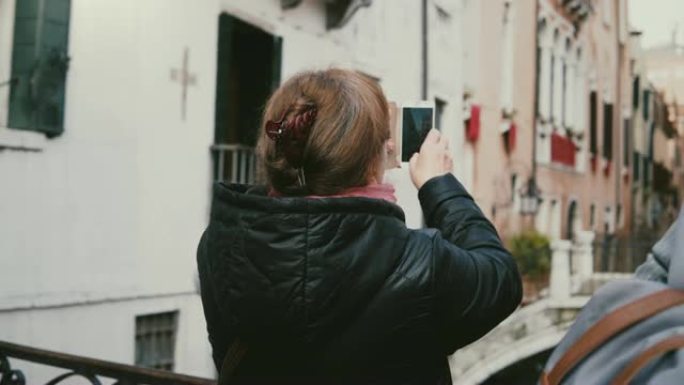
[593, 122]
[608, 131]
[39, 64]
[225, 52]
[636, 91]
[277, 61]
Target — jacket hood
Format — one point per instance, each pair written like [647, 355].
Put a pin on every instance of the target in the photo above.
[294, 269]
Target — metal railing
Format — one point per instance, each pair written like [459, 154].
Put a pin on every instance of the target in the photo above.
[621, 255]
[86, 368]
[234, 163]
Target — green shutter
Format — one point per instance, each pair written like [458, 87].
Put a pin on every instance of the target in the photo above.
[39, 65]
[225, 52]
[277, 61]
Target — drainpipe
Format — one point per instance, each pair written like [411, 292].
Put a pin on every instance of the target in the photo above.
[533, 185]
[535, 95]
[424, 53]
[617, 155]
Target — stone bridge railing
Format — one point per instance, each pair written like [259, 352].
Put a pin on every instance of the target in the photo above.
[541, 325]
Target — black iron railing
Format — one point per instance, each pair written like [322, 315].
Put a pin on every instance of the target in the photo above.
[87, 368]
[621, 255]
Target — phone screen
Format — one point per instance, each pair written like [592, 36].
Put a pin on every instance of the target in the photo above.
[416, 124]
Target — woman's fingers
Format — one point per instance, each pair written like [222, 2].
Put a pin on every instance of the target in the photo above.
[432, 139]
[448, 162]
[444, 144]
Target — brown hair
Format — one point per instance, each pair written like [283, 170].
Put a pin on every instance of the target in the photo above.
[344, 140]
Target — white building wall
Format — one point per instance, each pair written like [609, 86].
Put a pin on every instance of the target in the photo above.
[105, 330]
[112, 210]
[383, 41]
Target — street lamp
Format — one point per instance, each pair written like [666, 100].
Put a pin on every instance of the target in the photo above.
[530, 197]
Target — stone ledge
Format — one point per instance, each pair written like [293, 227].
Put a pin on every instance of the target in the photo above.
[20, 140]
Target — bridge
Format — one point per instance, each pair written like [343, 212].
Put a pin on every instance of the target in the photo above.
[532, 329]
[539, 326]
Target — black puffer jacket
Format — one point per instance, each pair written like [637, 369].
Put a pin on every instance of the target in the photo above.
[338, 290]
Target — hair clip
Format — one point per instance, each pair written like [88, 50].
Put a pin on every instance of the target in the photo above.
[278, 129]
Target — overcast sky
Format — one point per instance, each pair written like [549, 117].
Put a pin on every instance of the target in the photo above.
[657, 19]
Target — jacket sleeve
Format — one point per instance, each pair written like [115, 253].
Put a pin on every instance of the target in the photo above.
[219, 337]
[475, 280]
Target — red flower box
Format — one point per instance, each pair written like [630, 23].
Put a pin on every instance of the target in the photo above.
[563, 150]
[473, 124]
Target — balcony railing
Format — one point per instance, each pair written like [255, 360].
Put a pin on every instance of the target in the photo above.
[234, 163]
[85, 368]
[578, 9]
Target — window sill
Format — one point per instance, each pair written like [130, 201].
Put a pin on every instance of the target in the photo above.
[20, 140]
[555, 166]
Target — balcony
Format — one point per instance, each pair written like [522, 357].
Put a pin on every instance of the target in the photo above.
[337, 12]
[234, 163]
[577, 10]
[563, 150]
[88, 369]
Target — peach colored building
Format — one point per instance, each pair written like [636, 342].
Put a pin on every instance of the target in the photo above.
[665, 68]
[552, 84]
[498, 79]
[583, 103]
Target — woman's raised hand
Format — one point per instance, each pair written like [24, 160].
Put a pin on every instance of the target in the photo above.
[434, 159]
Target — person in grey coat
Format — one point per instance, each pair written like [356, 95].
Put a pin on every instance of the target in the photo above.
[632, 330]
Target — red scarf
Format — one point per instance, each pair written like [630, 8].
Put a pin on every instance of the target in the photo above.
[376, 191]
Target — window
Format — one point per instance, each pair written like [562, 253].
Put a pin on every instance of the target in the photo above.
[592, 216]
[648, 171]
[647, 104]
[507, 62]
[541, 99]
[564, 102]
[608, 131]
[39, 66]
[607, 12]
[155, 340]
[636, 90]
[593, 122]
[514, 188]
[608, 221]
[627, 130]
[619, 216]
[537, 79]
[553, 79]
[636, 166]
[440, 107]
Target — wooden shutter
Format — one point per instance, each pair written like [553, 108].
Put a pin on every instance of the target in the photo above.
[593, 122]
[608, 131]
[225, 52]
[636, 91]
[277, 61]
[626, 136]
[636, 166]
[39, 65]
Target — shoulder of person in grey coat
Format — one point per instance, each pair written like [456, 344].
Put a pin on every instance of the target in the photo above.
[666, 254]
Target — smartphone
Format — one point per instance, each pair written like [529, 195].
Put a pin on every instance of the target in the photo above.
[417, 119]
